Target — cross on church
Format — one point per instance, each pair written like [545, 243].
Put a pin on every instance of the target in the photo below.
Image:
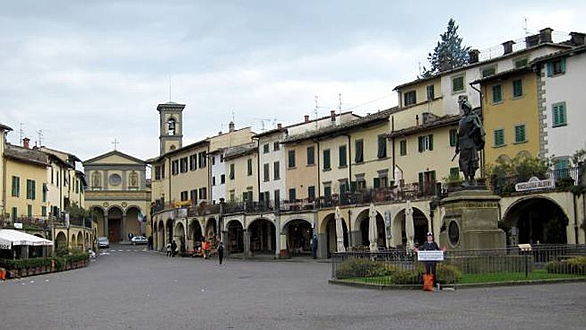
[115, 143]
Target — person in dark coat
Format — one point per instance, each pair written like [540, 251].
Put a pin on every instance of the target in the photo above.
[221, 252]
[173, 248]
[430, 266]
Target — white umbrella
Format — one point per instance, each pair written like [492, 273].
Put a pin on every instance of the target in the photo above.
[372, 229]
[339, 232]
[409, 226]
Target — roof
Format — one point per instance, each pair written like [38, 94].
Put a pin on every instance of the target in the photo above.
[117, 153]
[270, 132]
[178, 150]
[481, 63]
[447, 120]
[170, 105]
[59, 153]
[285, 128]
[502, 75]
[26, 155]
[4, 127]
[241, 150]
[563, 53]
[335, 130]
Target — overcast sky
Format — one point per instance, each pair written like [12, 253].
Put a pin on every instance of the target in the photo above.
[87, 72]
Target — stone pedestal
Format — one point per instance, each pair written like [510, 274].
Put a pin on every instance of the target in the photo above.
[471, 221]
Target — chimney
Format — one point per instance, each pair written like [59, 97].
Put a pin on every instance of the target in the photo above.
[473, 56]
[508, 47]
[25, 142]
[231, 127]
[279, 126]
[307, 118]
[577, 38]
[545, 35]
[333, 115]
[531, 41]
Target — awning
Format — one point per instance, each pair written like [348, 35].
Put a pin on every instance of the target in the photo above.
[10, 237]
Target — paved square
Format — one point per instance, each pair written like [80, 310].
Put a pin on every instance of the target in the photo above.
[129, 288]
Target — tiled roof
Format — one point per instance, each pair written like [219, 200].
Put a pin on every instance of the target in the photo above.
[241, 150]
[503, 74]
[567, 52]
[4, 127]
[26, 155]
[339, 129]
[440, 122]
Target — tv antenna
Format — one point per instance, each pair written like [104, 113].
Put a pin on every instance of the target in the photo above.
[316, 109]
[40, 136]
[525, 26]
[21, 132]
[340, 103]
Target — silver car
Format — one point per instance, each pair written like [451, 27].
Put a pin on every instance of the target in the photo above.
[103, 242]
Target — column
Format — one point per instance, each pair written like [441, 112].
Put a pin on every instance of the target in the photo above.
[277, 237]
[106, 225]
[225, 241]
[246, 243]
[123, 231]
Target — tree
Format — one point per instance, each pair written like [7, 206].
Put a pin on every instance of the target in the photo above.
[449, 52]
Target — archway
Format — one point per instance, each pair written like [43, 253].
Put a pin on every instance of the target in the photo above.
[363, 221]
[535, 220]
[80, 241]
[179, 236]
[133, 224]
[299, 233]
[420, 228]
[262, 236]
[98, 214]
[169, 231]
[60, 241]
[160, 235]
[114, 232]
[328, 227]
[211, 229]
[196, 233]
[235, 243]
[73, 242]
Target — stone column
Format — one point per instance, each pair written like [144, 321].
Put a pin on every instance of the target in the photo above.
[278, 234]
[225, 241]
[106, 225]
[246, 243]
[322, 246]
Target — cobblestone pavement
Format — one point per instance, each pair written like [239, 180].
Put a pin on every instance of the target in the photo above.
[129, 288]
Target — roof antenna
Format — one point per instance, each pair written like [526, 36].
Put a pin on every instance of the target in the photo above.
[525, 26]
[21, 132]
[40, 135]
[316, 107]
[340, 103]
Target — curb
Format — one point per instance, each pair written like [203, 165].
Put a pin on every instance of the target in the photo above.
[456, 286]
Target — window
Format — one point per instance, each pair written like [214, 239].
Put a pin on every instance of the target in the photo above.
[430, 92]
[327, 163]
[403, 147]
[44, 192]
[409, 98]
[265, 148]
[29, 211]
[247, 196]
[276, 171]
[193, 196]
[360, 184]
[489, 71]
[458, 84]
[163, 171]
[497, 94]
[202, 157]
[277, 196]
[425, 143]
[292, 195]
[175, 167]
[382, 146]
[232, 196]
[266, 174]
[520, 63]
[15, 186]
[328, 191]
[359, 156]
[556, 67]
[291, 158]
[14, 213]
[171, 126]
[311, 193]
[213, 180]
[43, 211]
[559, 114]
[454, 172]
[249, 166]
[231, 171]
[520, 133]
[214, 160]
[184, 195]
[517, 88]
[30, 189]
[276, 146]
[310, 155]
[203, 193]
[453, 137]
[342, 156]
[193, 162]
[499, 137]
[222, 178]
[183, 165]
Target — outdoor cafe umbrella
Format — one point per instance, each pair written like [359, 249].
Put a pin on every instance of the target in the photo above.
[372, 229]
[409, 227]
[339, 232]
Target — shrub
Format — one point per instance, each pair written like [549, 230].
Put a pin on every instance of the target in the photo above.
[576, 265]
[406, 276]
[447, 273]
[363, 268]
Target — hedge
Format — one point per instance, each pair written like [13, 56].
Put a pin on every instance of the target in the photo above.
[60, 262]
[576, 265]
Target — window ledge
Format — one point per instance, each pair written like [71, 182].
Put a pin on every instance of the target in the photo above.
[343, 166]
[521, 142]
[292, 168]
[500, 146]
[497, 103]
[559, 125]
[327, 169]
[514, 98]
[310, 165]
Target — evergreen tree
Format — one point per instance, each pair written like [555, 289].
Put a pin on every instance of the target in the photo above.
[449, 52]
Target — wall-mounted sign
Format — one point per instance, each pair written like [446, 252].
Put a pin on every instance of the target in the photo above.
[534, 183]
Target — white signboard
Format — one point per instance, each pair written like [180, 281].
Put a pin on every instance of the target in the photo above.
[17, 225]
[436, 255]
[534, 183]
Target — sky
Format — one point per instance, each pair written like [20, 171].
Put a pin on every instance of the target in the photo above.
[88, 72]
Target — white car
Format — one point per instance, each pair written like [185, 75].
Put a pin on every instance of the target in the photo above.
[138, 240]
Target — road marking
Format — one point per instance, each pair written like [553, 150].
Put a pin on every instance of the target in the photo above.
[121, 250]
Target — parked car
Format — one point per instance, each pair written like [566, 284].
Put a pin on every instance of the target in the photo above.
[136, 240]
[103, 242]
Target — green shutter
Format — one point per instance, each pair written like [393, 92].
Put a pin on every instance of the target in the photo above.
[376, 183]
[420, 143]
[549, 69]
[431, 142]
[517, 88]
[382, 146]
[359, 157]
[327, 164]
[420, 180]
[563, 65]
[342, 152]
[432, 176]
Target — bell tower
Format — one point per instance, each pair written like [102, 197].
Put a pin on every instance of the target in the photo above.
[170, 126]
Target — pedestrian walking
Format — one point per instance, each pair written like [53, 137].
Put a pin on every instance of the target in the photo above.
[221, 252]
[168, 249]
[173, 249]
